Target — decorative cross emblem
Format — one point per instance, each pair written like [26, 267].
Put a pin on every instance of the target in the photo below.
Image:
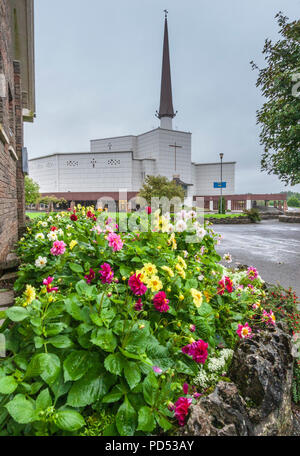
[166, 13]
[93, 162]
[109, 146]
[175, 146]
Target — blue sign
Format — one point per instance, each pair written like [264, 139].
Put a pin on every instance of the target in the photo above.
[220, 184]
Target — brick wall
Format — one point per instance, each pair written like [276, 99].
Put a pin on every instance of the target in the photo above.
[11, 140]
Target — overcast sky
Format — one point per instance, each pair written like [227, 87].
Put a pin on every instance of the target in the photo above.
[98, 69]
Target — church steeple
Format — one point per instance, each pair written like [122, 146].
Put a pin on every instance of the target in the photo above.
[166, 111]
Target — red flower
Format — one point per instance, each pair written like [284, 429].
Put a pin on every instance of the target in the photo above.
[161, 302]
[136, 285]
[138, 305]
[225, 284]
[148, 210]
[53, 228]
[74, 217]
[106, 273]
[185, 388]
[89, 214]
[197, 350]
[182, 409]
[90, 276]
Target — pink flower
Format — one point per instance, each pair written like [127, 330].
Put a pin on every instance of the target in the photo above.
[182, 409]
[252, 273]
[90, 276]
[58, 248]
[161, 302]
[48, 282]
[138, 305]
[115, 241]
[244, 331]
[106, 273]
[192, 328]
[269, 317]
[225, 284]
[196, 395]
[136, 285]
[157, 369]
[197, 350]
[171, 406]
[185, 388]
[148, 210]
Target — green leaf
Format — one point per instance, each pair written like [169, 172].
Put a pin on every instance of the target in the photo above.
[17, 313]
[69, 420]
[150, 387]
[146, 420]
[43, 401]
[114, 363]
[77, 364]
[129, 355]
[82, 287]
[114, 396]
[60, 341]
[76, 268]
[105, 339]
[47, 365]
[163, 422]
[126, 419]
[8, 385]
[132, 374]
[73, 307]
[89, 389]
[21, 409]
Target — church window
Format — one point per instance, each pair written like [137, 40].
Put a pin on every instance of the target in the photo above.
[114, 162]
[72, 163]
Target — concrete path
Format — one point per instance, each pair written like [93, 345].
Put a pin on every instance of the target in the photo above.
[272, 247]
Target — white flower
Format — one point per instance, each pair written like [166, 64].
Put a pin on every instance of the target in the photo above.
[41, 262]
[60, 232]
[227, 257]
[182, 215]
[170, 228]
[52, 236]
[44, 224]
[201, 232]
[39, 236]
[50, 219]
[69, 227]
[69, 234]
[58, 216]
[185, 253]
[181, 226]
[192, 214]
[201, 277]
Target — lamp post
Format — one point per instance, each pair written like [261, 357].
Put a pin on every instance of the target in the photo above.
[221, 202]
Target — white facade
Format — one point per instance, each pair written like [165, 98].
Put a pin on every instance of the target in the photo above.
[124, 162]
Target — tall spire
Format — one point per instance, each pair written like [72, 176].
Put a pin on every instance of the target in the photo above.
[166, 111]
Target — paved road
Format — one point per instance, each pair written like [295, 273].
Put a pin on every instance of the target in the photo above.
[272, 247]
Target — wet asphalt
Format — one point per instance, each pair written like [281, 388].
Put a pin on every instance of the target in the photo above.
[271, 246]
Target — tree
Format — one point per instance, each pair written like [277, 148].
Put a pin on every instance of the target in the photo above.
[32, 191]
[279, 117]
[293, 201]
[159, 186]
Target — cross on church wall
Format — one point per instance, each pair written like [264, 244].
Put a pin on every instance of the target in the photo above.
[93, 162]
[109, 146]
[175, 147]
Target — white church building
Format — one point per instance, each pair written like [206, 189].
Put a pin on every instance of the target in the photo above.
[122, 163]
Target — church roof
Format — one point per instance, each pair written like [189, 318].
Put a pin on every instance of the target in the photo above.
[166, 100]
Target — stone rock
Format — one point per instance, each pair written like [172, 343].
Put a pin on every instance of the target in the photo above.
[221, 413]
[258, 399]
[289, 218]
[6, 298]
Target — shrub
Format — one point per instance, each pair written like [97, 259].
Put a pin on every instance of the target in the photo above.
[253, 214]
[115, 323]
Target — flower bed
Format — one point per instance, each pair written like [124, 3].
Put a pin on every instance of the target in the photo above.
[126, 327]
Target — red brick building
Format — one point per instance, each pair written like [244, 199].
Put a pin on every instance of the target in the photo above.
[17, 104]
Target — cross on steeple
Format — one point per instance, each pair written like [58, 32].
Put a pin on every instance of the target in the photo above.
[175, 146]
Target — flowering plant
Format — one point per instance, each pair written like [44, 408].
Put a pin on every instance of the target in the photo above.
[102, 321]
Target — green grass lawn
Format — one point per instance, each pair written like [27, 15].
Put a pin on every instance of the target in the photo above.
[228, 215]
[34, 215]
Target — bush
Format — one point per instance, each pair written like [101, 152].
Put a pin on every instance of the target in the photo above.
[113, 325]
[293, 201]
[253, 214]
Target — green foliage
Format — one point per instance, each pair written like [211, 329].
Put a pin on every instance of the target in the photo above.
[159, 186]
[32, 191]
[296, 383]
[280, 115]
[293, 201]
[253, 214]
[75, 353]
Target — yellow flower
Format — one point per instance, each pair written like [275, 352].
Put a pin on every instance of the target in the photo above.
[182, 262]
[154, 283]
[207, 295]
[29, 294]
[197, 297]
[172, 241]
[150, 269]
[181, 297]
[73, 244]
[180, 270]
[142, 274]
[191, 340]
[168, 270]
